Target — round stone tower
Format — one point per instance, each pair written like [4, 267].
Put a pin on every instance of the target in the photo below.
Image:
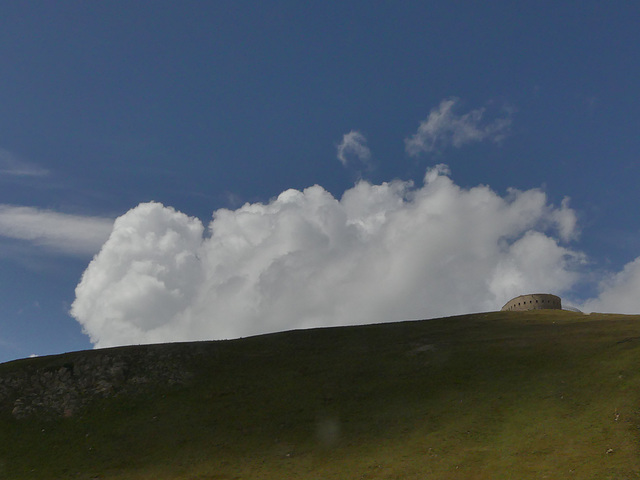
[534, 301]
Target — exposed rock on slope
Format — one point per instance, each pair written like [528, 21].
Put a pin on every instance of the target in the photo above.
[64, 384]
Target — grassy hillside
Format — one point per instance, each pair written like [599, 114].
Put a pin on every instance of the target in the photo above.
[546, 394]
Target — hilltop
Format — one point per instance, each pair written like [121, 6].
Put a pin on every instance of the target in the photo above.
[541, 394]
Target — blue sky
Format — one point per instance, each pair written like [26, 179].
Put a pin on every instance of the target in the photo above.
[202, 106]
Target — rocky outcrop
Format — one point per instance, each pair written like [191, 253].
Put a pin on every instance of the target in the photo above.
[63, 385]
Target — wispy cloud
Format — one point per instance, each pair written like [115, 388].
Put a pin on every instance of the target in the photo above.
[443, 128]
[69, 234]
[11, 165]
[354, 146]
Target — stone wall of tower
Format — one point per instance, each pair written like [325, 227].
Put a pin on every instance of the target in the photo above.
[534, 301]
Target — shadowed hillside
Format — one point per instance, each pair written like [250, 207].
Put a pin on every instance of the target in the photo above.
[543, 394]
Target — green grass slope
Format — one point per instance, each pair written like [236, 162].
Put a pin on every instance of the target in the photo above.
[545, 394]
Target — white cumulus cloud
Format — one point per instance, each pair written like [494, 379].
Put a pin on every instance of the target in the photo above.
[618, 292]
[443, 127]
[145, 276]
[65, 233]
[380, 253]
[354, 145]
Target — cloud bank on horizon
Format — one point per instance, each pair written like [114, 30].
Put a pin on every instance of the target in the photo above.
[387, 252]
[380, 253]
